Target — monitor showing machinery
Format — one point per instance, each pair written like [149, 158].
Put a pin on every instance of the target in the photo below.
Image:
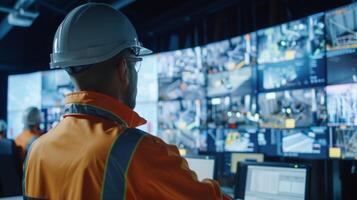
[298, 73]
[202, 166]
[180, 122]
[342, 104]
[341, 44]
[345, 138]
[228, 140]
[286, 181]
[292, 40]
[292, 108]
[181, 75]
[229, 65]
[291, 55]
[232, 112]
[306, 143]
[240, 140]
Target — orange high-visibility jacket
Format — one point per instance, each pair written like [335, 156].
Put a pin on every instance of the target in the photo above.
[25, 139]
[95, 152]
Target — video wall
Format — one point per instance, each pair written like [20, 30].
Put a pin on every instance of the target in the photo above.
[288, 90]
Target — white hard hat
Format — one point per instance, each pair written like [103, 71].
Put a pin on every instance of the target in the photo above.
[32, 116]
[93, 33]
[2, 125]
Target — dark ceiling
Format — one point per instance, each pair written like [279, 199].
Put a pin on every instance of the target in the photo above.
[158, 22]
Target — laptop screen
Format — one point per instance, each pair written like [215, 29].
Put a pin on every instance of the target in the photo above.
[204, 167]
[275, 182]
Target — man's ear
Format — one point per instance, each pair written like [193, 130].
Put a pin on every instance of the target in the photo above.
[122, 71]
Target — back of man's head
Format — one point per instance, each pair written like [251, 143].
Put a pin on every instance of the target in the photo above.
[89, 42]
[31, 117]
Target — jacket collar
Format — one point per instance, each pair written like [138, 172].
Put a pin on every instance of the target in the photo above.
[92, 103]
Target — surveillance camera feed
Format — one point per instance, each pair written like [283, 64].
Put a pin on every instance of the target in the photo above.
[342, 104]
[181, 75]
[292, 108]
[341, 44]
[228, 140]
[229, 65]
[232, 112]
[345, 138]
[240, 140]
[307, 142]
[291, 55]
[180, 122]
[310, 143]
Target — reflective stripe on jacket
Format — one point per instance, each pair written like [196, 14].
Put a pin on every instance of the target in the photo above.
[96, 152]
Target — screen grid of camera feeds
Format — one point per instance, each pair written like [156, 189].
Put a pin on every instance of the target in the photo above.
[291, 55]
[288, 90]
[341, 44]
[293, 108]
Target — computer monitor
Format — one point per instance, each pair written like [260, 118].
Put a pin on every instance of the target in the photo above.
[291, 55]
[235, 158]
[180, 122]
[341, 104]
[293, 108]
[278, 181]
[345, 140]
[203, 166]
[181, 75]
[229, 65]
[232, 111]
[341, 44]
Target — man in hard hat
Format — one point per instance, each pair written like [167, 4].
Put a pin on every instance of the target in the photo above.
[31, 131]
[95, 152]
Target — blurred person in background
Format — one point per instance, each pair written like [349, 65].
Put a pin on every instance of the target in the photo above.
[32, 121]
[6, 145]
[10, 165]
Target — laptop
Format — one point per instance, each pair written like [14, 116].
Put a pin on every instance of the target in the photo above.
[268, 181]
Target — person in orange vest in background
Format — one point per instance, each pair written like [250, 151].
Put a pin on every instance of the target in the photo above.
[32, 121]
[96, 152]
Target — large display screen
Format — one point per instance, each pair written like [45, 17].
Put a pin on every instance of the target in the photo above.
[232, 112]
[181, 75]
[240, 140]
[180, 122]
[291, 55]
[341, 44]
[229, 66]
[312, 142]
[306, 143]
[342, 104]
[293, 108]
[345, 138]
